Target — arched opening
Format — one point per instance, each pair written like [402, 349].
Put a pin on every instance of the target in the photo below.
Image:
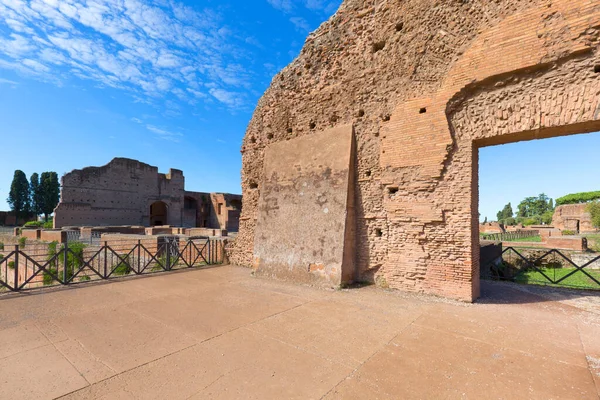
[158, 213]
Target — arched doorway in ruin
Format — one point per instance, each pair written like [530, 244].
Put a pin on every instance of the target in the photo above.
[158, 213]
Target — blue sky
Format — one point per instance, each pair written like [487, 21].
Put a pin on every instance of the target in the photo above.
[170, 83]
[174, 84]
[556, 166]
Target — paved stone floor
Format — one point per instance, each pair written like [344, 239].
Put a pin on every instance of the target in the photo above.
[220, 333]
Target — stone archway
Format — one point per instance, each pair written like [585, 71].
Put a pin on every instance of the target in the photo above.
[159, 213]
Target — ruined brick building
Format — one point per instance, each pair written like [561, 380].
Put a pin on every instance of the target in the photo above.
[361, 160]
[129, 192]
[573, 217]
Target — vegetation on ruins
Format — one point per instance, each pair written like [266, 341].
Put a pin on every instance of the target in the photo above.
[18, 197]
[578, 198]
[74, 260]
[594, 209]
[123, 268]
[22, 242]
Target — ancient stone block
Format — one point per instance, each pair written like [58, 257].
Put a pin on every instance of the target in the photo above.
[305, 208]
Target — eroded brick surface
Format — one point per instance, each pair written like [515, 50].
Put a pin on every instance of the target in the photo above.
[425, 84]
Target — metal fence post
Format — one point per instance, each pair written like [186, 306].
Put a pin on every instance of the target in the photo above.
[105, 257]
[168, 256]
[65, 262]
[208, 260]
[16, 283]
[139, 245]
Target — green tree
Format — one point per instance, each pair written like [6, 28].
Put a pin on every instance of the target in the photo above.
[18, 197]
[551, 205]
[50, 193]
[506, 213]
[35, 194]
[594, 209]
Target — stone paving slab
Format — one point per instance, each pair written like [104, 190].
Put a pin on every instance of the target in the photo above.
[220, 333]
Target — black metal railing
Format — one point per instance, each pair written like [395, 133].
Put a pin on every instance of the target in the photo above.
[508, 236]
[546, 267]
[50, 264]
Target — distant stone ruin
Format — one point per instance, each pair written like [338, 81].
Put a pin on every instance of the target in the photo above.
[361, 160]
[129, 192]
[573, 217]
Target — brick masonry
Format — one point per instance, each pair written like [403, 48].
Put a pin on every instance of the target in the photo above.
[129, 192]
[573, 217]
[424, 85]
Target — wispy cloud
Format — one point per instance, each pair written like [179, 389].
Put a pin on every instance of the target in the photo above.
[8, 82]
[165, 134]
[149, 48]
[320, 6]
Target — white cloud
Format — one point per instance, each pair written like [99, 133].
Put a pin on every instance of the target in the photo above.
[164, 134]
[283, 5]
[149, 49]
[231, 99]
[300, 23]
[8, 82]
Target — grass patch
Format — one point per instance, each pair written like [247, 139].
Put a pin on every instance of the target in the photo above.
[577, 280]
[536, 239]
[593, 241]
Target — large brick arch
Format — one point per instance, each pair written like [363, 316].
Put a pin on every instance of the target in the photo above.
[424, 87]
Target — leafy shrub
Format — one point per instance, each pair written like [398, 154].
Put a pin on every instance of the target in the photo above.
[594, 210]
[123, 268]
[48, 225]
[33, 224]
[84, 278]
[74, 260]
[48, 278]
[22, 242]
[567, 232]
[510, 221]
[1, 246]
[577, 198]
[1, 257]
[11, 264]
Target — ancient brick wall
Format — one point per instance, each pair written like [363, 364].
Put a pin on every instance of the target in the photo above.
[119, 193]
[574, 217]
[212, 210]
[424, 85]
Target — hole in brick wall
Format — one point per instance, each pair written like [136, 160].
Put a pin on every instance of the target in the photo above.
[422, 110]
[252, 139]
[368, 173]
[289, 130]
[253, 185]
[597, 69]
[392, 189]
[385, 117]
[333, 119]
[378, 232]
[361, 113]
[269, 136]
[399, 26]
[377, 134]
[377, 46]
[312, 125]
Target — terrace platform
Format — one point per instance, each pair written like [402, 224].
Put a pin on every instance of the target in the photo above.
[221, 333]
